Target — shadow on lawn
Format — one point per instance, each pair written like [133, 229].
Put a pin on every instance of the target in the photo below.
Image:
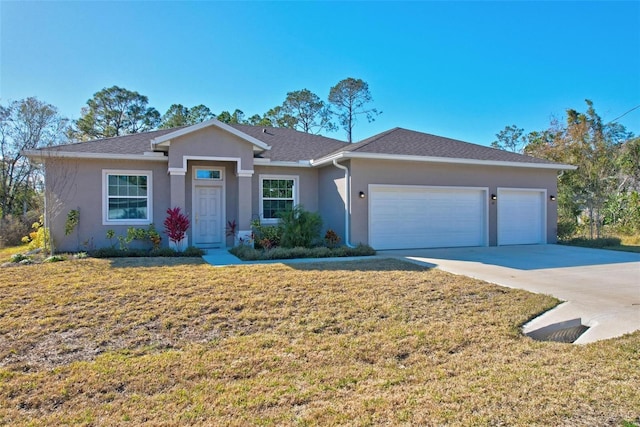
[373, 264]
[154, 261]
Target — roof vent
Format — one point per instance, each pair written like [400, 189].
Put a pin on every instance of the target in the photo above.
[264, 130]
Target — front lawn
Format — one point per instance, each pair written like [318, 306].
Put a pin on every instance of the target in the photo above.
[174, 341]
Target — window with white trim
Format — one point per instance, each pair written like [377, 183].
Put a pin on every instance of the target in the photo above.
[127, 197]
[278, 193]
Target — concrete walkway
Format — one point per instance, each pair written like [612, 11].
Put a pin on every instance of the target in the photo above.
[222, 258]
[601, 288]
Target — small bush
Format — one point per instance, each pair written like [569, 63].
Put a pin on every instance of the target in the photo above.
[331, 239]
[602, 242]
[54, 258]
[39, 238]
[15, 258]
[160, 252]
[266, 236]
[566, 229]
[192, 251]
[247, 253]
[300, 228]
[176, 225]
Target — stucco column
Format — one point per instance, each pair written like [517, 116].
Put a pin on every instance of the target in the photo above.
[244, 202]
[178, 190]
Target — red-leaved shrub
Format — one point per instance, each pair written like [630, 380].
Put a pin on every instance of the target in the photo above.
[176, 225]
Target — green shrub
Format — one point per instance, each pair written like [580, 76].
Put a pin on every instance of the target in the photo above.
[54, 258]
[73, 219]
[266, 236]
[160, 252]
[601, 242]
[247, 253]
[192, 251]
[300, 228]
[18, 257]
[567, 228]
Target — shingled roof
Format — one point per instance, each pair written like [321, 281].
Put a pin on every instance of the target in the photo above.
[289, 145]
[403, 142]
[134, 144]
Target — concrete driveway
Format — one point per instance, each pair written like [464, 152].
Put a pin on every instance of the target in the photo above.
[602, 288]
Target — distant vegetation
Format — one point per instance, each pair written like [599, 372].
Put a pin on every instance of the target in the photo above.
[602, 196]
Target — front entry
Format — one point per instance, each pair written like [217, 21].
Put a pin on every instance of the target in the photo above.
[207, 216]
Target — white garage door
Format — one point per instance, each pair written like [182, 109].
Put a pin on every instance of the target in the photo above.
[521, 217]
[409, 217]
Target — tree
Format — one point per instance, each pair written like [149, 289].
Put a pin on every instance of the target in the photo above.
[24, 125]
[199, 113]
[277, 117]
[236, 118]
[310, 113]
[629, 161]
[349, 97]
[591, 146]
[116, 111]
[510, 139]
[178, 115]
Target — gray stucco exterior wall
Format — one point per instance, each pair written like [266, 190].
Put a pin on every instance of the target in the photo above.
[331, 199]
[365, 172]
[210, 142]
[77, 184]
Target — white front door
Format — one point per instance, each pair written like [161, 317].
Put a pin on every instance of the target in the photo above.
[207, 216]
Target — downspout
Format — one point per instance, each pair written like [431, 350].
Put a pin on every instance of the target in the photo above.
[347, 203]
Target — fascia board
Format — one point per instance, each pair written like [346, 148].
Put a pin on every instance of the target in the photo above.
[427, 159]
[267, 162]
[43, 155]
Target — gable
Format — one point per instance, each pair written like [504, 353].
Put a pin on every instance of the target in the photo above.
[165, 140]
[210, 142]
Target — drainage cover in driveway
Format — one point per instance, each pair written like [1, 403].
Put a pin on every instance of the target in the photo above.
[566, 332]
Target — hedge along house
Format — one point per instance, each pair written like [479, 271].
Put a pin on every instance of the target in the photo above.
[399, 189]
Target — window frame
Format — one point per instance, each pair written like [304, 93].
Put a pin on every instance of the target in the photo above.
[105, 197]
[296, 193]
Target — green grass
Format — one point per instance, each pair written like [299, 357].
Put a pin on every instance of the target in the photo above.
[174, 341]
[622, 243]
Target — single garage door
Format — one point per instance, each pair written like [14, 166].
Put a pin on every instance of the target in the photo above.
[410, 217]
[521, 216]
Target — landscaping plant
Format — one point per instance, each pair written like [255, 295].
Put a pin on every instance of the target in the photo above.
[176, 225]
[300, 228]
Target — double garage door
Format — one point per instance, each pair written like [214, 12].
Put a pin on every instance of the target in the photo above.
[409, 217]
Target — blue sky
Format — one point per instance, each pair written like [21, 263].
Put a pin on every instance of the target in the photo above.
[458, 69]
